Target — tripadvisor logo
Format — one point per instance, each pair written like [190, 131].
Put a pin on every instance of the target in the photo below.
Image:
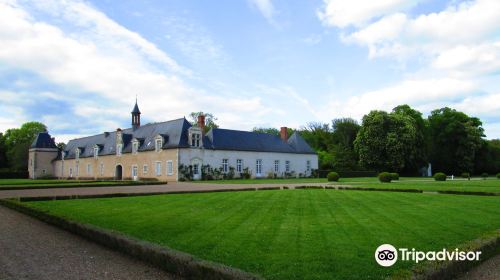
[387, 255]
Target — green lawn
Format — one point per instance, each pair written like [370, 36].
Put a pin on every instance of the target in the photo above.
[492, 184]
[293, 234]
[43, 183]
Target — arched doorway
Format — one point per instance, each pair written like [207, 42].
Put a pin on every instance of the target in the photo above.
[119, 172]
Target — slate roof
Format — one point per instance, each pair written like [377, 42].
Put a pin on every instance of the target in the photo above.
[43, 140]
[175, 135]
[136, 109]
[226, 139]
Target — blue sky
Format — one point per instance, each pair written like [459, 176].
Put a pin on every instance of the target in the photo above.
[78, 65]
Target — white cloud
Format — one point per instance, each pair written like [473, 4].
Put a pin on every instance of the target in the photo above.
[343, 13]
[425, 95]
[101, 66]
[265, 7]
[431, 34]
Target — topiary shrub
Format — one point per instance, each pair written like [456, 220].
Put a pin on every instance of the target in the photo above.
[394, 176]
[385, 177]
[440, 176]
[498, 175]
[485, 175]
[333, 176]
[465, 175]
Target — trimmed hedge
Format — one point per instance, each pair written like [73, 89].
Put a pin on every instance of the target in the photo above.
[348, 174]
[440, 176]
[498, 175]
[333, 176]
[485, 175]
[465, 175]
[488, 245]
[394, 176]
[176, 262]
[385, 177]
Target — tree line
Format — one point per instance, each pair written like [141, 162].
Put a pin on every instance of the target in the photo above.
[400, 141]
[403, 141]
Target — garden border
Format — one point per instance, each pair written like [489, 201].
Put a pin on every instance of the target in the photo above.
[489, 245]
[173, 261]
[62, 186]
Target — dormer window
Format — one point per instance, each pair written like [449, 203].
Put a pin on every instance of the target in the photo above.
[77, 153]
[63, 153]
[96, 152]
[119, 148]
[135, 147]
[195, 139]
[158, 144]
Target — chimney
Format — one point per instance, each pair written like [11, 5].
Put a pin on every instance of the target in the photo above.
[201, 123]
[284, 134]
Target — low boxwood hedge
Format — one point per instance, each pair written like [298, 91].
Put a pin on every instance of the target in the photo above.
[333, 176]
[440, 176]
[385, 177]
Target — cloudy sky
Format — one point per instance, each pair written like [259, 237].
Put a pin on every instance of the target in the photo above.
[77, 66]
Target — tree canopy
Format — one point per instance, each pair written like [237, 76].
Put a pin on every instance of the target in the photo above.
[18, 141]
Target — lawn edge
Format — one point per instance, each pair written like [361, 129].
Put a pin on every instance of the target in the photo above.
[62, 186]
[488, 244]
[176, 262]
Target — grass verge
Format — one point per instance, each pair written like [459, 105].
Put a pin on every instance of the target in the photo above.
[291, 234]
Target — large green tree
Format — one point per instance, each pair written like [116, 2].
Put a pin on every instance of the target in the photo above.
[488, 157]
[455, 140]
[3, 150]
[419, 156]
[387, 141]
[18, 141]
[344, 133]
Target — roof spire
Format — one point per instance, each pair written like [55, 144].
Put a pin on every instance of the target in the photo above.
[136, 115]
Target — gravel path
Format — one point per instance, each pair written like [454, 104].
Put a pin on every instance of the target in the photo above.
[171, 187]
[30, 249]
[489, 270]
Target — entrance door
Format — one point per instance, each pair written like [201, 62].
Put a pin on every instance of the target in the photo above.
[119, 173]
[134, 173]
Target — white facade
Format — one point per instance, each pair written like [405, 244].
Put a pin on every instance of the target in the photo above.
[298, 163]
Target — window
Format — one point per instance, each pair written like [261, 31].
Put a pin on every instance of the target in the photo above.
[71, 172]
[196, 169]
[158, 168]
[145, 169]
[258, 167]
[31, 162]
[96, 152]
[195, 139]
[119, 148]
[287, 166]
[239, 165]
[43, 171]
[158, 144]
[77, 153]
[224, 165]
[308, 165]
[170, 168]
[135, 147]
[101, 169]
[134, 171]
[77, 169]
[89, 169]
[276, 166]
